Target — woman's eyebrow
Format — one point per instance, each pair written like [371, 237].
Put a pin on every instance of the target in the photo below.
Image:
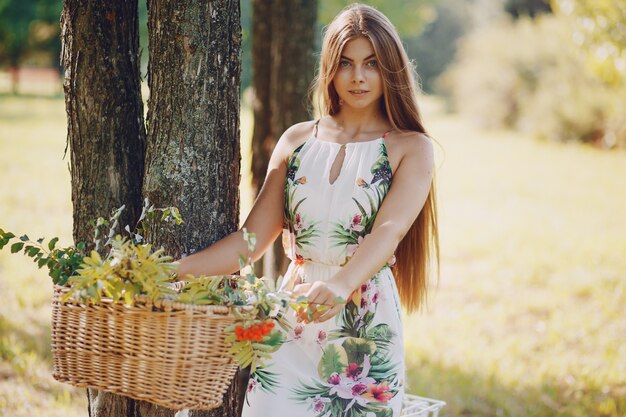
[351, 60]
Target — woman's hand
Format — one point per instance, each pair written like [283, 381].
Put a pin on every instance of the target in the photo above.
[325, 300]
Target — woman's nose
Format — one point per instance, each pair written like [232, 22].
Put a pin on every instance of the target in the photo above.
[357, 75]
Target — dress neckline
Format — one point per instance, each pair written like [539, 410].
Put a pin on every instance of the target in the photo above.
[361, 142]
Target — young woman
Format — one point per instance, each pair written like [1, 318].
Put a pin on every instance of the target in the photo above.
[353, 195]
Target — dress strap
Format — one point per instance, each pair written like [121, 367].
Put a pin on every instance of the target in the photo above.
[317, 122]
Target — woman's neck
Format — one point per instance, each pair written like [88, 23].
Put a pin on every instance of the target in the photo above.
[353, 122]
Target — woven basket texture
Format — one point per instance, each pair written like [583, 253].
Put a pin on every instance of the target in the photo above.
[170, 354]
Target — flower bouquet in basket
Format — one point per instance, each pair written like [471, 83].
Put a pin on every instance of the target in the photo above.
[122, 322]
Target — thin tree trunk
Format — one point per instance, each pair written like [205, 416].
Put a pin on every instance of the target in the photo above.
[262, 138]
[193, 155]
[285, 67]
[105, 130]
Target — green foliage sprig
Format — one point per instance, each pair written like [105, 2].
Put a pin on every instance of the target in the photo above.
[62, 263]
[129, 270]
[65, 262]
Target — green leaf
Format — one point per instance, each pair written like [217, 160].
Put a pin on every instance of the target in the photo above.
[55, 274]
[33, 251]
[40, 240]
[382, 334]
[52, 243]
[16, 247]
[42, 262]
[24, 238]
[356, 348]
[250, 238]
[334, 359]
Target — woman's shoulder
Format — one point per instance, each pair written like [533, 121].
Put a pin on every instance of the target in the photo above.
[409, 141]
[401, 144]
[299, 133]
[293, 137]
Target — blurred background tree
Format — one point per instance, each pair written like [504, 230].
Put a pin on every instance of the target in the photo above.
[29, 33]
[554, 76]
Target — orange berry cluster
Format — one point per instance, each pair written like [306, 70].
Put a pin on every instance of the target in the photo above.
[256, 332]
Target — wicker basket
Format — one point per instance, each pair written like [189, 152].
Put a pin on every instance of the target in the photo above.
[170, 354]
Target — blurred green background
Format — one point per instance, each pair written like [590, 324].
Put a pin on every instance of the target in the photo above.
[527, 102]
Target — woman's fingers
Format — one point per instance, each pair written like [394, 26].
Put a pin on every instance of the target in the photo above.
[301, 289]
[317, 313]
[321, 304]
[330, 313]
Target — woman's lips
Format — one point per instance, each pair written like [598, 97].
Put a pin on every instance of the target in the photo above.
[358, 93]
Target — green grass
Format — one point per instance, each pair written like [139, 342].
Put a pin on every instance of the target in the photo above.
[527, 318]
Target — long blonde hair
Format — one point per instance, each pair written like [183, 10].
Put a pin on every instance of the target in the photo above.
[421, 243]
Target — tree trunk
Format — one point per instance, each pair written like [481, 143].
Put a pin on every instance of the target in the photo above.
[193, 155]
[262, 139]
[283, 67]
[105, 130]
[106, 133]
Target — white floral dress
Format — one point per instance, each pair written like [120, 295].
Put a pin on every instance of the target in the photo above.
[353, 364]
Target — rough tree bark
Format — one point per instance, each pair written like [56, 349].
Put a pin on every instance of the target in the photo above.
[105, 129]
[283, 67]
[193, 155]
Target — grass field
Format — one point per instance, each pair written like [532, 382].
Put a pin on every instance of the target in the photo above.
[527, 318]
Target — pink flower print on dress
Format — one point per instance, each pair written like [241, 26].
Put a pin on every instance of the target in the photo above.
[321, 337]
[375, 297]
[355, 223]
[301, 180]
[379, 392]
[350, 383]
[252, 383]
[369, 298]
[361, 182]
[351, 249]
[352, 371]
[297, 332]
[299, 225]
[317, 403]
[334, 379]
[358, 389]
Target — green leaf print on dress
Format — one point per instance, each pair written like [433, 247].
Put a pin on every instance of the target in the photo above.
[304, 230]
[351, 232]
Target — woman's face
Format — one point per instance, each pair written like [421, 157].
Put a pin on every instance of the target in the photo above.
[358, 81]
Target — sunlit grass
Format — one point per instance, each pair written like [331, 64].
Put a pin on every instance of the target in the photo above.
[527, 319]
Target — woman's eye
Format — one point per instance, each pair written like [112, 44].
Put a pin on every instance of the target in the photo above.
[344, 63]
[372, 64]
